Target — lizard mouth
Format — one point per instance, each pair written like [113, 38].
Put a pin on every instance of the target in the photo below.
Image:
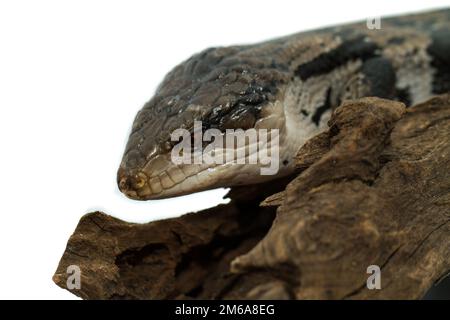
[158, 181]
[168, 183]
[186, 179]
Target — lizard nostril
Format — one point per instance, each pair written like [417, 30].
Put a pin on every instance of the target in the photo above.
[138, 182]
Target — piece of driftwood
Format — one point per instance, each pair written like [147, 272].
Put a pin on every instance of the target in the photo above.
[374, 189]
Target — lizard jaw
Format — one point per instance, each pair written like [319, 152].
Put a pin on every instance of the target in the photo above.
[161, 178]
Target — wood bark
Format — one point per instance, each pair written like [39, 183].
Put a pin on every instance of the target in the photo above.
[373, 189]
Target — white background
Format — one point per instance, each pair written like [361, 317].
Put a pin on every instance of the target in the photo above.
[73, 74]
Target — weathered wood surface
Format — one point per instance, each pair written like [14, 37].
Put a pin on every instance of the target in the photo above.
[372, 190]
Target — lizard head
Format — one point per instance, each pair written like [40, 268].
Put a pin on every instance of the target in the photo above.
[217, 90]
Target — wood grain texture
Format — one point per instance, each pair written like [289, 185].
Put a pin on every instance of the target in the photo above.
[372, 189]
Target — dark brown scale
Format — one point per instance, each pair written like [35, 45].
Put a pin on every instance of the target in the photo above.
[440, 52]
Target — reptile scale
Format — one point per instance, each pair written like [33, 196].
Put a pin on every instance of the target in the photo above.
[291, 84]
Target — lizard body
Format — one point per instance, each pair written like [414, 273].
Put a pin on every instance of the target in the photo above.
[291, 84]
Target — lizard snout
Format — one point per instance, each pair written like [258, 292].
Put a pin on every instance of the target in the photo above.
[131, 183]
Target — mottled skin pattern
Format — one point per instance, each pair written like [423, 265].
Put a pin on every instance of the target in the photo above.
[291, 84]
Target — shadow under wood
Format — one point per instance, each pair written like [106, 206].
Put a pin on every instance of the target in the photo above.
[440, 290]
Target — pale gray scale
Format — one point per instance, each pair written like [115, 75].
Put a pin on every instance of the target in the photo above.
[414, 72]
